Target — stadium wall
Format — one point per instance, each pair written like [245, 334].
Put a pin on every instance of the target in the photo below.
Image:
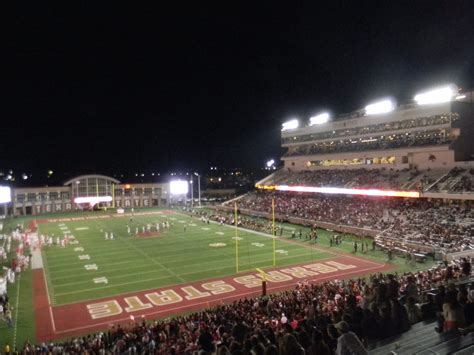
[404, 158]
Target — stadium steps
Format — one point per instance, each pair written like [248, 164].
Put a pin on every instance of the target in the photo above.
[420, 337]
[381, 346]
[439, 180]
[235, 199]
[466, 351]
[270, 177]
[458, 343]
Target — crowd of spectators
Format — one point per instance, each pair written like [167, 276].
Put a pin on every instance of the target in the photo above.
[334, 317]
[375, 128]
[448, 226]
[402, 140]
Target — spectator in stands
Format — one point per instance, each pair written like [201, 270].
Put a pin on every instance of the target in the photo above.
[412, 311]
[469, 308]
[428, 309]
[348, 343]
[453, 314]
[290, 346]
[318, 346]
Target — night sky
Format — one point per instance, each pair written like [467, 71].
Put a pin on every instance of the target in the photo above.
[108, 89]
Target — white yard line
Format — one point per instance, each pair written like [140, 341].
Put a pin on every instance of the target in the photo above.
[172, 285]
[124, 240]
[49, 303]
[16, 311]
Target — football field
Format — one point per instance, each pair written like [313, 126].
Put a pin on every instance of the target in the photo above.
[94, 281]
[189, 250]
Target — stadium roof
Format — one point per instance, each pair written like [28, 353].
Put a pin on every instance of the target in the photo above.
[69, 182]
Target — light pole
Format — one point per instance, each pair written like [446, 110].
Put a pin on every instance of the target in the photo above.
[192, 198]
[199, 188]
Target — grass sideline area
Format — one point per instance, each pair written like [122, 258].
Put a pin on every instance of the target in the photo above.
[131, 263]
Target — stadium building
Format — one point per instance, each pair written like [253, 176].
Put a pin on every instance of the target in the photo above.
[428, 143]
[84, 192]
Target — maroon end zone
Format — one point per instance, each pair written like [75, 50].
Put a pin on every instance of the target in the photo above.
[88, 316]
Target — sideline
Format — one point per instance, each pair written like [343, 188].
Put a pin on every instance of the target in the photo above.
[16, 311]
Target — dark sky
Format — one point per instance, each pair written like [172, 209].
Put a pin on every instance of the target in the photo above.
[101, 88]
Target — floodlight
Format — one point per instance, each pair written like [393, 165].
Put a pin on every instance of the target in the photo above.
[178, 187]
[319, 119]
[5, 194]
[380, 107]
[270, 163]
[291, 124]
[437, 95]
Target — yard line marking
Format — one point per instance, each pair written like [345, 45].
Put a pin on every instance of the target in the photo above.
[255, 255]
[90, 267]
[192, 267]
[205, 228]
[68, 271]
[63, 227]
[126, 241]
[266, 235]
[79, 249]
[16, 310]
[220, 233]
[163, 251]
[81, 228]
[84, 257]
[192, 224]
[99, 280]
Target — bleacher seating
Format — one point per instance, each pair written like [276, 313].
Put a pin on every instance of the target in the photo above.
[422, 339]
[454, 180]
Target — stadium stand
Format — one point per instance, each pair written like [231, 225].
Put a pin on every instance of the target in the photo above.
[455, 180]
[445, 226]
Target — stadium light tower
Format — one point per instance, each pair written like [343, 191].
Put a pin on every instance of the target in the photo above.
[192, 193]
[380, 107]
[5, 198]
[269, 164]
[291, 124]
[199, 187]
[319, 119]
[179, 188]
[437, 95]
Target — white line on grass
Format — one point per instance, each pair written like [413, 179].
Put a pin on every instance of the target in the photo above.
[16, 311]
[184, 274]
[122, 272]
[123, 239]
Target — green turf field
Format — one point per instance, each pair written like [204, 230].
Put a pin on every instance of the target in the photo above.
[180, 254]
